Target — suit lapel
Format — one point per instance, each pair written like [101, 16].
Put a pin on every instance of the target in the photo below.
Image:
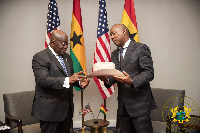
[55, 60]
[128, 53]
[115, 59]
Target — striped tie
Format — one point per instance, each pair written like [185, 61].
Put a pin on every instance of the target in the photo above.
[63, 64]
[121, 56]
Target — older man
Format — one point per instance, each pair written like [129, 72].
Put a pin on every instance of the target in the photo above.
[55, 77]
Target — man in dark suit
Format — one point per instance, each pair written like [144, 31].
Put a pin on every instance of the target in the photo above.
[135, 100]
[55, 77]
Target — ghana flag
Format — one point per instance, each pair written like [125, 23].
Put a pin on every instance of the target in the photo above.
[103, 109]
[77, 47]
[129, 19]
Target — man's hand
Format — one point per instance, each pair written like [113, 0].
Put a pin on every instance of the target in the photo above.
[84, 82]
[103, 78]
[125, 80]
[76, 77]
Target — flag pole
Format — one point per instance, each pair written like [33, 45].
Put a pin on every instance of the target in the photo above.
[105, 107]
[82, 129]
[105, 130]
[82, 107]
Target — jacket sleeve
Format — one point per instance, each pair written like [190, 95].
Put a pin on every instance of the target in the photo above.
[146, 66]
[41, 69]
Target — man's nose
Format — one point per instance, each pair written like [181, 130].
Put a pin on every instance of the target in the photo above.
[111, 36]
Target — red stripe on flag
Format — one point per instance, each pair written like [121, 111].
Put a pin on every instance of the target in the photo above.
[100, 88]
[130, 10]
[99, 54]
[49, 35]
[104, 107]
[95, 61]
[104, 48]
[77, 12]
[110, 91]
[46, 45]
[108, 38]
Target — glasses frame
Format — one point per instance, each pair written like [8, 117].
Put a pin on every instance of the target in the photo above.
[62, 43]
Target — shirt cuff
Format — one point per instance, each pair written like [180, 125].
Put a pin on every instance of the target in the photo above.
[108, 81]
[66, 83]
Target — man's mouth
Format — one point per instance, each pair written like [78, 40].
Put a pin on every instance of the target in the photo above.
[64, 51]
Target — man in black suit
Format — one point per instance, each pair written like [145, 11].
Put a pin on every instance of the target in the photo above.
[135, 100]
[55, 77]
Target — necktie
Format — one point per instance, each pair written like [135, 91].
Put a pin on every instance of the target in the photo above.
[121, 56]
[63, 64]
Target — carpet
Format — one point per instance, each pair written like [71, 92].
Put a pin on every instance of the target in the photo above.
[113, 130]
[87, 130]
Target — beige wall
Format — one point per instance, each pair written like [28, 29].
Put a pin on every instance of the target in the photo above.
[169, 27]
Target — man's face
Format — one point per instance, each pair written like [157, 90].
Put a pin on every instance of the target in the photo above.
[60, 45]
[117, 36]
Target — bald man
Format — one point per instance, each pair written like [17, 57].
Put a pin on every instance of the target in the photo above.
[55, 78]
[135, 100]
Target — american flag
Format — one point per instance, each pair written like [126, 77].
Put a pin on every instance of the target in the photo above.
[86, 110]
[103, 50]
[53, 21]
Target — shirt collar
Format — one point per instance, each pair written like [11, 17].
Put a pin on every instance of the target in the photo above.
[53, 52]
[127, 43]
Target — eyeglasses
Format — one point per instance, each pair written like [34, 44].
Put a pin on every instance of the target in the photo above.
[62, 43]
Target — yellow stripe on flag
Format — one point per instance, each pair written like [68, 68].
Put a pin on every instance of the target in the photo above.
[103, 110]
[128, 23]
[78, 49]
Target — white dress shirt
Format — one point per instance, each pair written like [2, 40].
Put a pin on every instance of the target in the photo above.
[125, 47]
[66, 82]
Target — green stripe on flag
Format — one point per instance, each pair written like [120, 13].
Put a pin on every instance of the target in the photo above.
[76, 66]
[102, 111]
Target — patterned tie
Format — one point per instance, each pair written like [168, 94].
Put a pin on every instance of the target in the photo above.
[121, 56]
[63, 64]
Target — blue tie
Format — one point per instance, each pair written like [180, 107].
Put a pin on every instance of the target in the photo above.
[63, 64]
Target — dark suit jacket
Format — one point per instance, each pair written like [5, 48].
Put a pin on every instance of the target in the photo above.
[137, 62]
[51, 100]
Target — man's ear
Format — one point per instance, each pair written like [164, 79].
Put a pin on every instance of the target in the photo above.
[124, 32]
[51, 44]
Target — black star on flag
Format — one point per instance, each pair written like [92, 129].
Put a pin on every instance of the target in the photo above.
[76, 39]
[132, 36]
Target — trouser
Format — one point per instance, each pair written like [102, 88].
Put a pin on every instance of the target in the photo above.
[57, 127]
[130, 124]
